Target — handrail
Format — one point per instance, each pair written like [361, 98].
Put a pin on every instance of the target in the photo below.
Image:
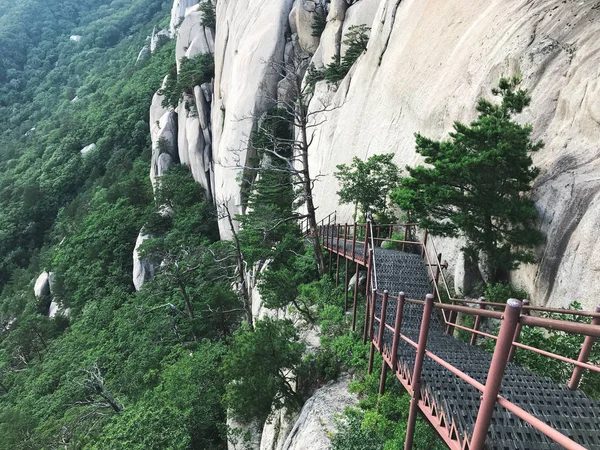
[512, 319]
[500, 357]
[374, 266]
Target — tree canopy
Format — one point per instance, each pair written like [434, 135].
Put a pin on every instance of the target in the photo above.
[476, 184]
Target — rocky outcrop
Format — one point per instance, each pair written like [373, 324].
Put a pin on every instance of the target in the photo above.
[143, 55]
[46, 304]
[193, 38]
[277, 429]
[426, 65]
[194, 131]
[143, 269]
[87, 149]
[178, 13]
[158, 38]
[316, 421]
[246, 45]
[303, 16]
[163, 133]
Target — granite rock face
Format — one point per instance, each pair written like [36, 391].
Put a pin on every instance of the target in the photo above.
[143, 268]
[426, 65]
[246, 46]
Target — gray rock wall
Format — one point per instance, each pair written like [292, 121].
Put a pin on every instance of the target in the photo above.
[248, 39]
[426, 65]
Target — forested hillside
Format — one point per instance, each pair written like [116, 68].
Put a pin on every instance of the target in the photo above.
[64, 379]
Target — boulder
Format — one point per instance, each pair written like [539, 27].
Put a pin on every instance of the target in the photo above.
[362, 281]
[87, 149]
[277, 429]
[41, 288]
[193, 38]
[158, 39]
[360, 13]
[242, 437]
[75, 38]
[193, 150]
[316, 422]
[331, 40]
[143, 55]
[306, 12]
[143, 269]
[163, 133]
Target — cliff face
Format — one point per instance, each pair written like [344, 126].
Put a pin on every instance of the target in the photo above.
[250, 38]
[427, 63]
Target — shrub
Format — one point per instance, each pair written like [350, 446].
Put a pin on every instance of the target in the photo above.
[356, 39]
[192, 72]
[209, 15]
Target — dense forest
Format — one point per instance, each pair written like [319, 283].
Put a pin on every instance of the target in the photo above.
[116, 368]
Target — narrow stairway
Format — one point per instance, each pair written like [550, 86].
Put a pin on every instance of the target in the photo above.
[569, 412]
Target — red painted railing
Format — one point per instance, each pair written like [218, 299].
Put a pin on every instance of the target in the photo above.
[516, 314]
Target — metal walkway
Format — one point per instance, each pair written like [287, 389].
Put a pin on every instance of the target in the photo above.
[450, 403]
[570, 412]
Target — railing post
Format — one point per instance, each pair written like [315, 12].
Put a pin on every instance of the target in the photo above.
[510, 320]
[584, 354]
[424, 250]
[436, 278]
[372, 322]
[451, 321]
[382, 323]
[345, 237]
[356, 276]
[474, 335]
[416, 377]
[329, 232]
[405, 237]
[346, 287]
[366, 245]
[367, 289]
[353, 241]
[397, 327]
[517, 336]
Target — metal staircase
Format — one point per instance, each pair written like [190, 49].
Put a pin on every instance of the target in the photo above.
[474, 399]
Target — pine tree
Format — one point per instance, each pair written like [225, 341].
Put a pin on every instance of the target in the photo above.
[478, 182]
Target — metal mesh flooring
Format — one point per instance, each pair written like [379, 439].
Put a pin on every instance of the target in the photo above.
[571, 413]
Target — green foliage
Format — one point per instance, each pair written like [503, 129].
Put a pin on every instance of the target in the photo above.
[192, 72]
[318, 25]
[181, 412]
[356, 39]
[367, 184]
[209, 14]
[478, 184]
[79, 217]
[394, 245]
[292, 267]
[501, 292]
[258, 368]
[379, 422]
[269, 194]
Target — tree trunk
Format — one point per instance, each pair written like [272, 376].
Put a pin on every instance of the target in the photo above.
[243, 288]
[310, 206]
[186, 297]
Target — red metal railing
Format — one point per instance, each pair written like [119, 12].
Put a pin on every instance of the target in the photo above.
[516, 314]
